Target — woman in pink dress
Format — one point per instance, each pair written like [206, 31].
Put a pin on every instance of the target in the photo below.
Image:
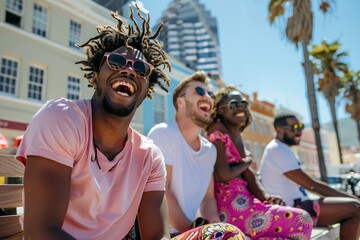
[240, 197]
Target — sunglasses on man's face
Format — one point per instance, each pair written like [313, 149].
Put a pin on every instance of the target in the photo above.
[234, 105]
[117, 62]
[201, 92]
[296, 128]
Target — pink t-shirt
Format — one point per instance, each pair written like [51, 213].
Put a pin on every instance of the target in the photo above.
[103, 203]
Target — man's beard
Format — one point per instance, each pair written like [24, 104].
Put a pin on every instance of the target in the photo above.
[288, 140]
[198, 120]
[118, 111]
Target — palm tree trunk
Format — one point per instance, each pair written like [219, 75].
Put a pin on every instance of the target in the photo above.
[309, 74]
[357, 120]
[335, 125]
[358, 129]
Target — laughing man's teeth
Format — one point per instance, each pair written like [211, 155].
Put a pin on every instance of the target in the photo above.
[117, 84]
[204, 106]
[242, 114]
[123, 94]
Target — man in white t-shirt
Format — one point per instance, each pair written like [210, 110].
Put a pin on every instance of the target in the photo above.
[281, 174]
[189, 157]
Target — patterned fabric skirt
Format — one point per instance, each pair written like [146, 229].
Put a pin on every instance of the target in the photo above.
[213, 231]
[257, 220]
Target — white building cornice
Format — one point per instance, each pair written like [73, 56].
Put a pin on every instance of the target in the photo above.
[27, 35]
[87, 10]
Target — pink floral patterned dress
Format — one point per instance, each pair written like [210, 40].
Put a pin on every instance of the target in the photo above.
[256, 219]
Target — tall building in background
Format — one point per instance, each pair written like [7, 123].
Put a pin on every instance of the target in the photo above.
[113, 5]
[190, 35]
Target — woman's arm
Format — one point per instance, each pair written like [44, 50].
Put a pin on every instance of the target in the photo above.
[254, 185]
[223, 171]
[257, 189]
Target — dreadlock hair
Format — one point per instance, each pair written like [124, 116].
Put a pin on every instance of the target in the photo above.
[110, 39]
[222, 96]
[180, 89]
[280, 119]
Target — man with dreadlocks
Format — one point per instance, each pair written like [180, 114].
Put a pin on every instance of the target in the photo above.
[88, 174]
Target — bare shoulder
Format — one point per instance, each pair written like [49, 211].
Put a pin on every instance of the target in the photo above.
[217, 126]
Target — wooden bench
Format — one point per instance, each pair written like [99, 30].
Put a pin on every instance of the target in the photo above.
[326, 233]
[10, 198]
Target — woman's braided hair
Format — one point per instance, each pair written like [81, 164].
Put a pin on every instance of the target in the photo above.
[220, 97]
[110, 39]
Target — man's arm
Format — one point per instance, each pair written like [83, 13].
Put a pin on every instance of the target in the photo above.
[153, 216]
[303, 179]
[47, 188]
[177, 217]
[208, 207]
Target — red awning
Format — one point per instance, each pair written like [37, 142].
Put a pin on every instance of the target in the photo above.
[3, 142]
[17, 140]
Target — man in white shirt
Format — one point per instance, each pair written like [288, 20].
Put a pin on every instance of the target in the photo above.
[282, 175]
[189, 157]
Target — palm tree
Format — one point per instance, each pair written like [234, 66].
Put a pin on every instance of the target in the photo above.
[299, 29]
[352, 93]
[327, 62]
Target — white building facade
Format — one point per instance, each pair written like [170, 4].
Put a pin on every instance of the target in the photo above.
[37, 57]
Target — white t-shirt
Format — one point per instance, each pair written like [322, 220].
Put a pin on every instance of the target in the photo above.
[103, 202]
[191, 170]
[278, 159]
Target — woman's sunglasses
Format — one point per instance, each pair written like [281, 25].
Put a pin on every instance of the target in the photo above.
[234, 105]
[296, 128]
[117, 62]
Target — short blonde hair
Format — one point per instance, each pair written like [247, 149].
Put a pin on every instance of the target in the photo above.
[180, 89]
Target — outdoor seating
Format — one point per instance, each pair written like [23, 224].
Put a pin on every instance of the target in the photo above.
[326, 233]
[10, 198]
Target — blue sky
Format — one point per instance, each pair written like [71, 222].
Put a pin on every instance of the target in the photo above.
[257, 55]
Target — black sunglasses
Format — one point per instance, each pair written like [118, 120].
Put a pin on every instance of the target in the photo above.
[117, 62]
[200, 91]
[234, 105]
[296, 128]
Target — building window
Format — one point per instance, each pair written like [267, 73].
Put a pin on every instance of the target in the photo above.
[14, 11]
[248, 145]
[159, 108]
[8, 76]
[73, 88]
[254, 125]
[268, 130]
[261, 127]
[75, 34]
[256, 150]
[39, 21]
[36, 82]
